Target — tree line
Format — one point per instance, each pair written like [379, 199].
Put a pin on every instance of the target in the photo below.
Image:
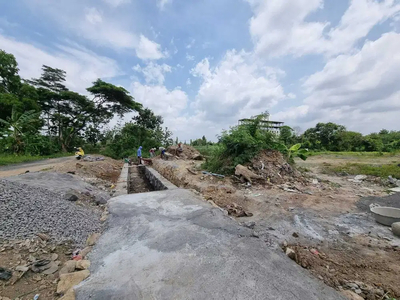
[41, 116]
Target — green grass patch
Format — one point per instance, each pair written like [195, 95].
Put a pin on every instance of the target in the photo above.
[361, 154]
[366, 169]
[6, 159]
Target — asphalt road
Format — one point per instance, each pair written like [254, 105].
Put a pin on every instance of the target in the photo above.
[173, 245]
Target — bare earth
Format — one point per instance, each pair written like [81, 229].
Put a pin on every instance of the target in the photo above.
[313, 214]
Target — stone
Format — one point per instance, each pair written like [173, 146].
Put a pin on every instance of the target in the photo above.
[70, 197]
[85, 251]
[290, 253]
[295, 234]
[360, 177]
[351, 295]
[37, 277]
[69, 267]
[5, 274]
[92, 239]
[99, 199]
[249, 224]
[43, 236]
[82, 264]
[54, 256]
[22, 268]
[69, 280]
[351, 285]
[396, 229]
[246, 173]
[392, 180]
[53, 268]
[69, 295]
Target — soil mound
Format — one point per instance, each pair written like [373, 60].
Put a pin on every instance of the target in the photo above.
[188, 152]
[271, 165]
[109, 169]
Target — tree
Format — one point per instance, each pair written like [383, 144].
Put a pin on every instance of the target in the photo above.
[286, 135]
[323, 135]
[13, 93]
[18, 124]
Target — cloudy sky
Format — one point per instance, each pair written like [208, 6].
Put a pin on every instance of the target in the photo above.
[204, 64]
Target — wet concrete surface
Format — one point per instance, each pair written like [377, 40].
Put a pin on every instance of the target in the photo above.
[173, 245]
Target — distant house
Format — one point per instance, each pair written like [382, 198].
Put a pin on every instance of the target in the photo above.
[266, 124]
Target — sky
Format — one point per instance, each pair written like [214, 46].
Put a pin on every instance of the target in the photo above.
[205, 64]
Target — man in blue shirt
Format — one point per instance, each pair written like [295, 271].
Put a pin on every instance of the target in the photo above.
[139, 155]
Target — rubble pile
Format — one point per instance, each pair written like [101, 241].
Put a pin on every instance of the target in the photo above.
[188, 152]
[28, 210]
[271, 165]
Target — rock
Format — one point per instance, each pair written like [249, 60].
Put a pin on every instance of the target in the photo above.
[43, 236]
[351, 295]
[351, 285]
[396, 229]
[360, 177]
[99, 199]
[53, 268]
[82, 264]
[392, 180]
[70, 197]
[85, 251]
[249, 224]
[5, 274]
[69, 295]
[22, 268]
[198, 157]
[68, 267]
[37, 277]
[358, 291]
[246, 173]
[315, 181]
[295, 234]
[69, 280]
[92, 239]
[290, 253]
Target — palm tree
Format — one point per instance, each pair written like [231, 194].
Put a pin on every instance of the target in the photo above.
[18, 124]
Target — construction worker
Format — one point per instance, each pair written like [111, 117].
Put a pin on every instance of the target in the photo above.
[79, 153]
[162, 150]
[139, 155]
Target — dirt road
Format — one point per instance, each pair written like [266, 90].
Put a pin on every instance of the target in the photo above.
[34, 166]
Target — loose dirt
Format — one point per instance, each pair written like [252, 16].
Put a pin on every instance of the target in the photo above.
[307, 210]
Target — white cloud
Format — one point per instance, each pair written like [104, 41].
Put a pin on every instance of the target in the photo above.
[191, 43]
[148, 49]
[280, 27]
[103, 28]
[359, 90]
[154, 73]
[188, 81]
[161, 3]
[237, 87]
[82, 66]
[189, 57]
[116, 3]
[93, 15]
[164, 102]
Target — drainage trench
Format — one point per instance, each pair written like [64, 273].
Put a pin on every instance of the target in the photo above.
[143, 179]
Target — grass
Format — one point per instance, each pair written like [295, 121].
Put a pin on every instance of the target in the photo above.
[345, 153]
[7, 159]
[366, 169]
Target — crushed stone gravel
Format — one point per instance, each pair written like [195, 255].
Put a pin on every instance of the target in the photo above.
[27, 210]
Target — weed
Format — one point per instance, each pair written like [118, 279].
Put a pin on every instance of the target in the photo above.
[367, 169]
[14, 159]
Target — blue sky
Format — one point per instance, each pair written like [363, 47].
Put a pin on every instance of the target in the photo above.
[203, 65]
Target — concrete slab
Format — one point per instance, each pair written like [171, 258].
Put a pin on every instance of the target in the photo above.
[172, 245]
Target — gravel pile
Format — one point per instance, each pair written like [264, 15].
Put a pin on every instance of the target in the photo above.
[26, 211]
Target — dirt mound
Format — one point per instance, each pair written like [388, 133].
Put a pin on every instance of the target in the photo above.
[271, 165]
[354, 268]
[109, 169]
[188, 152]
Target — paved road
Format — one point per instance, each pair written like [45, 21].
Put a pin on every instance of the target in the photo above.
[33, 166]
[172, 245]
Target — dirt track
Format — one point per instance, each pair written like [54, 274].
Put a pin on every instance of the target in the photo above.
[34, 166]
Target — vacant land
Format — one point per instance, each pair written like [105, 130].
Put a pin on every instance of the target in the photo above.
[317, 214]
